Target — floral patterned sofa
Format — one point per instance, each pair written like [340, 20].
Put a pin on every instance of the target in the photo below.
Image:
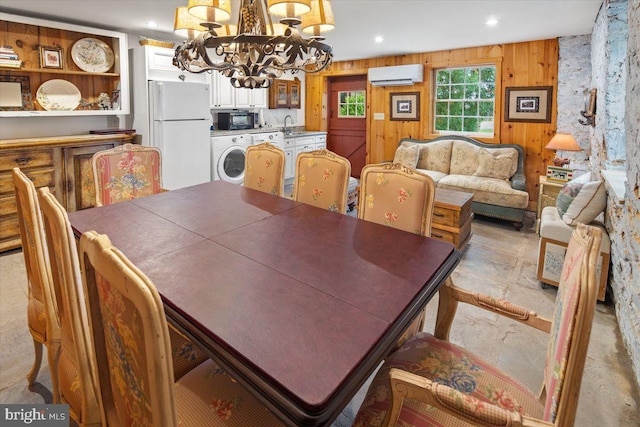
[494, 173]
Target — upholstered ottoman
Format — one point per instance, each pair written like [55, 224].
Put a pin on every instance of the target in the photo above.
[554, 237]
[352, 193]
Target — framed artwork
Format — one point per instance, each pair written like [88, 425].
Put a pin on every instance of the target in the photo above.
[50, 57]
[15, 93]
[405, 106]
[557, 174]
[528, 104]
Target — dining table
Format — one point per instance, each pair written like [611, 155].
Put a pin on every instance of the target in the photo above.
[297, 303]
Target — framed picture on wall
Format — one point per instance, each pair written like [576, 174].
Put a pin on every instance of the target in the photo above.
[405, 106]
[50, 57]
[530, 104]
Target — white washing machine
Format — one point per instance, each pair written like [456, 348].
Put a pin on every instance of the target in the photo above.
[276, 138]
[228, 156]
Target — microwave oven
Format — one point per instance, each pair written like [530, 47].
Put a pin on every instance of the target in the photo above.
[237, 120]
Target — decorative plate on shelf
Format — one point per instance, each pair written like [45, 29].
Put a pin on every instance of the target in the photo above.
[92, 55]
[58, 95]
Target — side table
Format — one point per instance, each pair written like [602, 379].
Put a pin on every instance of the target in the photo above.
[452, 217]
[547, 195]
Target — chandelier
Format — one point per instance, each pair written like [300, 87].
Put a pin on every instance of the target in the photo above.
[257, 50]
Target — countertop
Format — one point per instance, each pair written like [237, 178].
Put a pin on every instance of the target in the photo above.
[296, 132]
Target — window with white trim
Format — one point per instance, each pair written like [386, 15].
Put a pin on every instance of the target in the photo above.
[351, 103]
[464, 101]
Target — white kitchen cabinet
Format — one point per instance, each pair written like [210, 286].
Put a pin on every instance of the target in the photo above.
[296, 144]
[159, 66]
[251, 98]
[223, 94]
[27, 35]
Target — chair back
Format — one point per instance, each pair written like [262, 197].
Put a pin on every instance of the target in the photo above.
[321, 180]
[264, 168]
[76, 370]
[130, 335]
[571, 326]
[42, 311]
[126, 172]
[394, 195]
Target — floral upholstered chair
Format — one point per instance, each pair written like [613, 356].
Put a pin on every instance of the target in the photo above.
[264, 168]
[321, 180]
[400, 197]
[42, 308]
[133, 353]
[126, 172]
[394, 195]
[430, 381]
[76, 372]
[77, 376]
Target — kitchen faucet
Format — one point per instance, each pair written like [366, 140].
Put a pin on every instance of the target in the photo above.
[285, 130]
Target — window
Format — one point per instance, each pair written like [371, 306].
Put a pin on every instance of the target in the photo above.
[351, 103]
[465, 99]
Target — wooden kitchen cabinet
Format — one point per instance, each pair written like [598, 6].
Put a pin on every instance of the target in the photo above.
[285, 94]
[62, 163]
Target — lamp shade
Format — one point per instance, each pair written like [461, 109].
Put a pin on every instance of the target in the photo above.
[210, 10]
[289, 8]
[185, 24]
[563, 142]
[320, 19]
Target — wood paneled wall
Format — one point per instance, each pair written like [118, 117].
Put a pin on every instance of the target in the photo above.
[532, 63]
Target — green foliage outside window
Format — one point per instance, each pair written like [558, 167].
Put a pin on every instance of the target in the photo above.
[351, 104]
[465, 99]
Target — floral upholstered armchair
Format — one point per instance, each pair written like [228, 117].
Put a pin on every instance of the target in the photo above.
[321, 180]
[126, 172]
[430, 381]
[264, 168]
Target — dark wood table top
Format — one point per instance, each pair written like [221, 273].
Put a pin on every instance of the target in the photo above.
[299, 303]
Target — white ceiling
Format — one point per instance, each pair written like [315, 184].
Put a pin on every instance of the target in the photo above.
[407, 26]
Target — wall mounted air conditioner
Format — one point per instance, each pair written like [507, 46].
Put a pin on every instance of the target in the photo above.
[399, 75]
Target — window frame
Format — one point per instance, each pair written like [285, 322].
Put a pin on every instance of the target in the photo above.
[498, 99]
[364, 105]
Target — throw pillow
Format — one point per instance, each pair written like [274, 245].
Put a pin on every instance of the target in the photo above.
[580, 200]
[407, 156]
[495, 166]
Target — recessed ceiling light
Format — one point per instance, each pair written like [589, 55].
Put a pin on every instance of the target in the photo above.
[152, 24]
[492, 22]
[378, 39]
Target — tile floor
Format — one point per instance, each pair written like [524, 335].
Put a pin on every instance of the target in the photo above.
[498, 261]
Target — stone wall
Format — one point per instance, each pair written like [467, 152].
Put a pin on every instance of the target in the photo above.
[615, 144]
[574, 77]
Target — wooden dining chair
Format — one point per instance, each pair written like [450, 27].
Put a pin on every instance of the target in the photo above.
[76, 371]
[42, 309]
[131, 345]
[402, 198]
[126, 172]
[430, 381]
[321, 180]
[264, 168]
[397, 196]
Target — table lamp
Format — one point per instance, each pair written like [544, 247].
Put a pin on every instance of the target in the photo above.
[562, 142]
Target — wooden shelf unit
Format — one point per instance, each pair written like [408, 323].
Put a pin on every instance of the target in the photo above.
[26, 35]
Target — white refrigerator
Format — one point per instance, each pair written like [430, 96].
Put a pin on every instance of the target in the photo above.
[180, 121]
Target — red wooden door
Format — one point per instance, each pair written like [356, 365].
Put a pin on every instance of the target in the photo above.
[347, 133]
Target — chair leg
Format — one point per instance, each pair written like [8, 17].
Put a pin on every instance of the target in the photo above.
[447, 306]
[53, 354]
[33, 374]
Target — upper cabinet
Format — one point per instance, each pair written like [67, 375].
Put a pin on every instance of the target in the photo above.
[224, 95]
[61, 69]
[285, 94]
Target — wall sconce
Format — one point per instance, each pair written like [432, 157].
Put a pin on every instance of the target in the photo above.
[589, 112]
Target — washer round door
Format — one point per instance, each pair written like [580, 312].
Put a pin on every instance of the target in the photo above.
[230, 166]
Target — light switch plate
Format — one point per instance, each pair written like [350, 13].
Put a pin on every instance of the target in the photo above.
[378, 116]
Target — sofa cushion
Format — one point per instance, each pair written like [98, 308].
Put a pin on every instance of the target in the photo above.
[464, 158]
[407, 155]
[581, 200]
[494, 165]
[435, 156]
[491, 191]
[436, 176]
